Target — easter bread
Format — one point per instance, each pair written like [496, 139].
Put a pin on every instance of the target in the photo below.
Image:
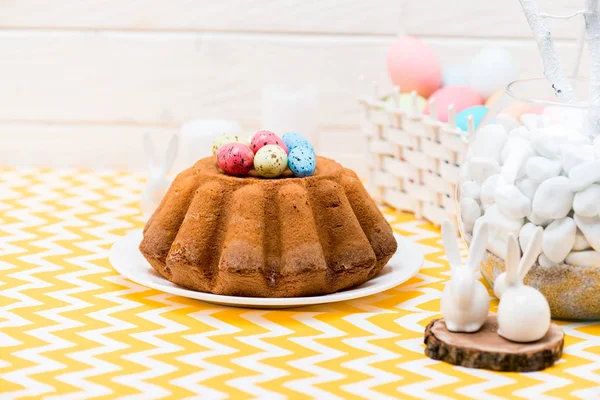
[250, 236]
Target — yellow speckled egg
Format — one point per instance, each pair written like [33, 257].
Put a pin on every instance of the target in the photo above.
[270, 161]
[222, 139]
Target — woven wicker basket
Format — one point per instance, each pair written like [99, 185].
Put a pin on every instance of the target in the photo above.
[414, 159]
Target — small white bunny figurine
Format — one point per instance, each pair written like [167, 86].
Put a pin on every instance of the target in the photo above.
[523, 313]
[158, 182]
[465, 302]
[529, 257]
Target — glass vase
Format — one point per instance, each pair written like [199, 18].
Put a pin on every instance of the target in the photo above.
[534, 162]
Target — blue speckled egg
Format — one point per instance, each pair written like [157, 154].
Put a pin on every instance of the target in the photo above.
[478, 112]
[302, 161]
[293, 140]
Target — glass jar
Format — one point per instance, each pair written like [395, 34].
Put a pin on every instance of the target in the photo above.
[532, 162]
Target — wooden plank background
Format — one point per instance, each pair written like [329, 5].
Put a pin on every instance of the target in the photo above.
[87, 78]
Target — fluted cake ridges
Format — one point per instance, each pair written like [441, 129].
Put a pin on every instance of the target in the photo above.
[256, 237]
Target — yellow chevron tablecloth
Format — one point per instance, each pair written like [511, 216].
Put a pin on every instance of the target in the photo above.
[72, 328]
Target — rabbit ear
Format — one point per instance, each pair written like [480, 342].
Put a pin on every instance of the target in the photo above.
[149, 148]
[533, 251]
[478, 245]
[450, 244]
[171, 153]
[512, 260]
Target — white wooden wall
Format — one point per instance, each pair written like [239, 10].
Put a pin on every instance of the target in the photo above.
[80, 80]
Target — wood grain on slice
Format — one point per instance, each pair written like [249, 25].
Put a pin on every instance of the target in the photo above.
[486, 349]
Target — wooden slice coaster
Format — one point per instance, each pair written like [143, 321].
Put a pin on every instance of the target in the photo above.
[486, 349]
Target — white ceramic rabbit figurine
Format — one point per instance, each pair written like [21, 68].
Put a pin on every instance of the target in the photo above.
[158, 182]
[523, 313]
[529, 257]
[465, 302]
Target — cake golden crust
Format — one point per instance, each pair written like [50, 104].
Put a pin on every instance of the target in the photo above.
[257, 237]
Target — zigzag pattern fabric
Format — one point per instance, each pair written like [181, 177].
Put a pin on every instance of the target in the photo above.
[72, 328]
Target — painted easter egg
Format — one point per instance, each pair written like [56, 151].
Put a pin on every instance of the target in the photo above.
[460, 96]
[406, 102]
[222, 139]
[478, 112]
[270, 161]
[455, 75]
[413, 65]
[264, 138]
[235, 159]
[302, 161]
[492, 69]
[293, 140]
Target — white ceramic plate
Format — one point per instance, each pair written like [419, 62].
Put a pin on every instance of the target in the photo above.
[129, 262]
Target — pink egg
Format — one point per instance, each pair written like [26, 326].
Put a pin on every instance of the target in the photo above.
[461, 96]
[235, 159]
[263, 138]
[412, 65]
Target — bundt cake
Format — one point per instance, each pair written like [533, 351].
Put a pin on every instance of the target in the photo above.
[258, 237]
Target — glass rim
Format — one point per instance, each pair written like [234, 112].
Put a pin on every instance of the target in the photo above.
[510, 91]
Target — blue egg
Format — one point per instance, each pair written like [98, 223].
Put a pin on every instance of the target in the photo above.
[478, 112]
[302, 161]
[293, 140]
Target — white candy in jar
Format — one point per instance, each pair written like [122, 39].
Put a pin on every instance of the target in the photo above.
[470, 211]
[513, 167]
[590, 227]
[572, 155]
[559, 238]
[483, 167]
[526, 233]
[581, 242]
[584, 174]
[488, 188]
[470, 189]
[589, 258]
[527, 186]
[541, 168]
[587, 202]
[512, 202]
[553, 198]
[489, 142]
[536, 175]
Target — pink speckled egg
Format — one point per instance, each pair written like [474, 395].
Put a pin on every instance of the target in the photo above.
[263, 138]
[235, 158]
[461, 96]
[412, 65]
